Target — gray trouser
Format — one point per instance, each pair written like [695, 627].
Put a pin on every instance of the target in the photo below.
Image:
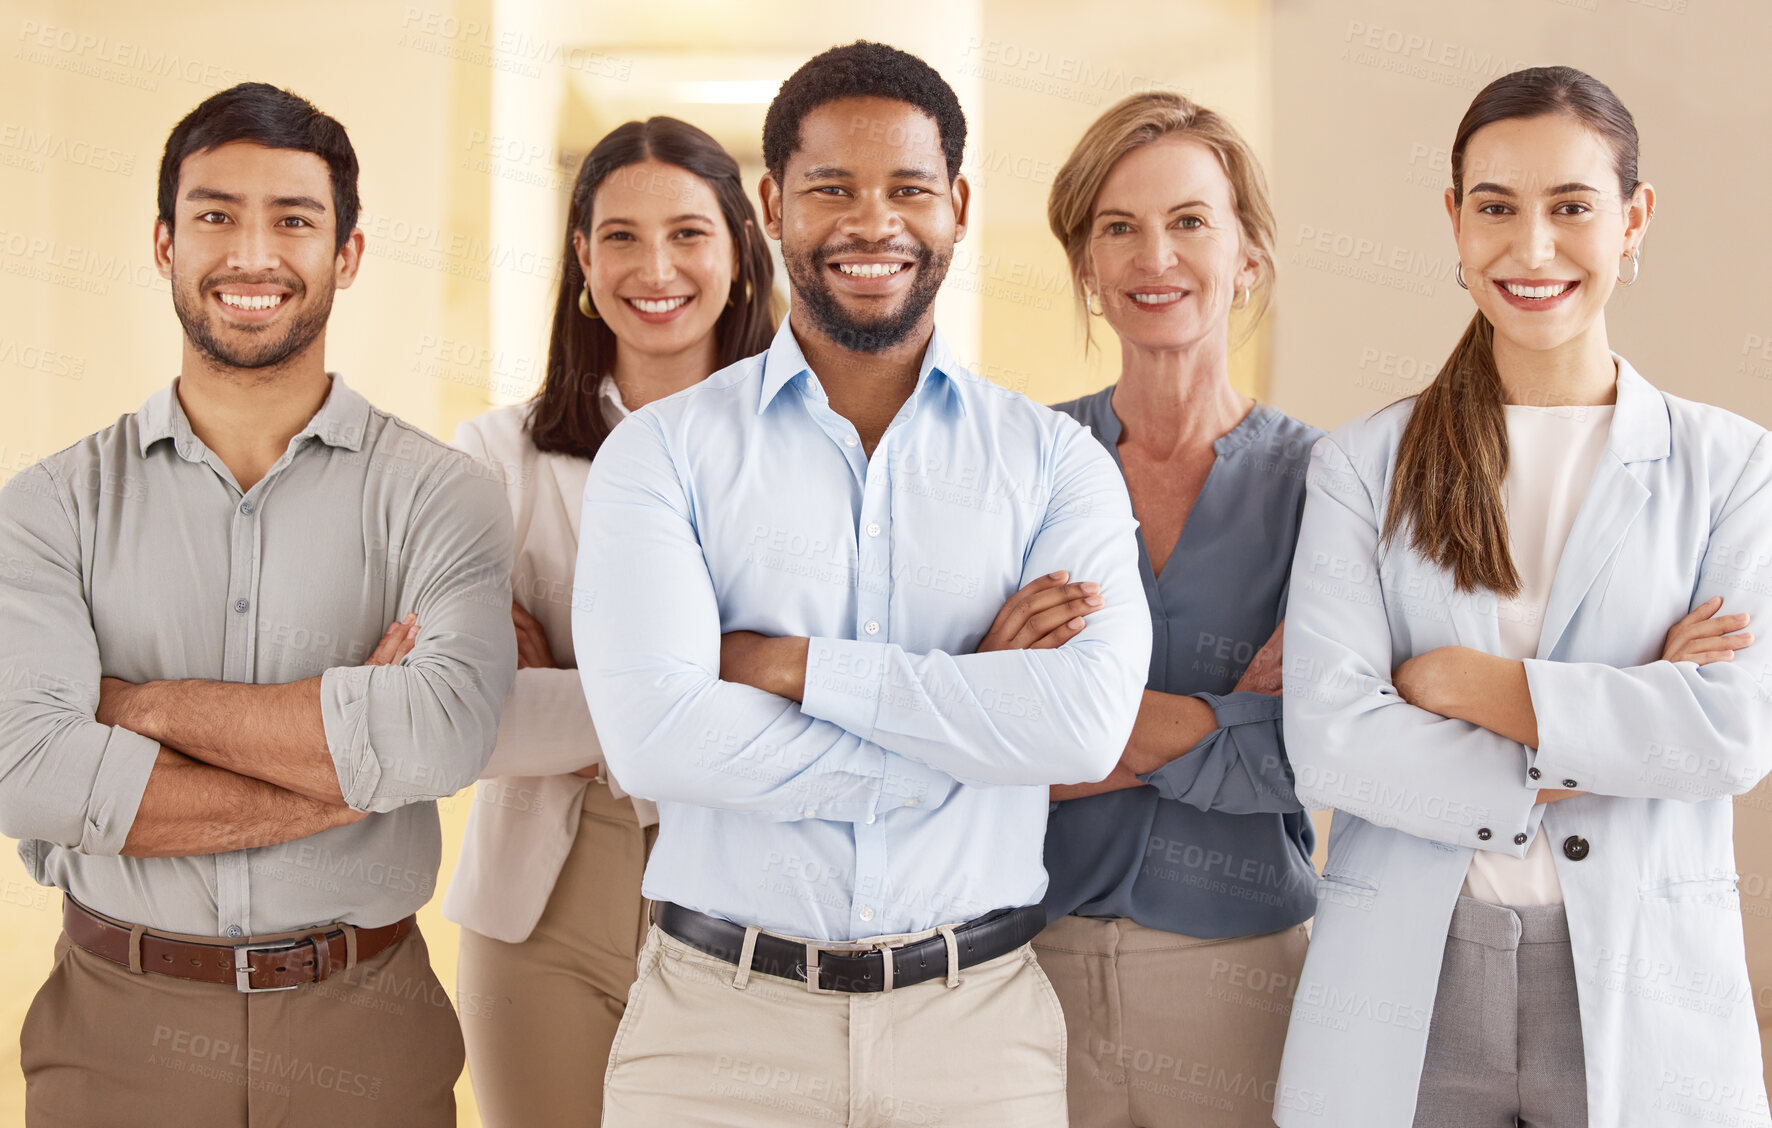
[1505, 1044]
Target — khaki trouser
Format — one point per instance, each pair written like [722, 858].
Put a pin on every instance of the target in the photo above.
[376, 1045]
[539, 1016]
[695, 1050]
[1168, 1030]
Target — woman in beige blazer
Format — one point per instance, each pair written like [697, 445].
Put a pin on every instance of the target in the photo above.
[666, 279]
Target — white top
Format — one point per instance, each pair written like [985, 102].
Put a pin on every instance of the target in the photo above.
[526, 807]
[1551, 456]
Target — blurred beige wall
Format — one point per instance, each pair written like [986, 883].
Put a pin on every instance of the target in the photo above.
[1366, 97]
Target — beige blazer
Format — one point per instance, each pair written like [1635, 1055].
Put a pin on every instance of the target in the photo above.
[526, 806]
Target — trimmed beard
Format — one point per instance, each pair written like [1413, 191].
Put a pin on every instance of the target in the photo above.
[201, 330]
[813, 289]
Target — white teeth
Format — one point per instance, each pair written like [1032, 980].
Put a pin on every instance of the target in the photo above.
[870, 269]
[1550, 291]
[662, 305]
[251, 301]
[1156, 299]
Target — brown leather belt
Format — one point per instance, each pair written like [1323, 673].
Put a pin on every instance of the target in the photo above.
[277, 965]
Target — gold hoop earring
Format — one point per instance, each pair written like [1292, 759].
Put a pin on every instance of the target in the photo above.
[1244, 294]
[731, 301]
[1636, 268]
[584, 303]
[1092, 301]
[1459, 275]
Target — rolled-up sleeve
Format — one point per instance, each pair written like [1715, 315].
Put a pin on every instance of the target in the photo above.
[423, 729]
[64, 778]
[1240, 767]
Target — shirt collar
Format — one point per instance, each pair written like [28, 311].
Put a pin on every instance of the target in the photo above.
[1640, 428]
[614, 411]
[340, 422]
[784, 362]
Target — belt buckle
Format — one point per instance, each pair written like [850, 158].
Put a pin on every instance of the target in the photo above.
[243, 965]
[812, 951]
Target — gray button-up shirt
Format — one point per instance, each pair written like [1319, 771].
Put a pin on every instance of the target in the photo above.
[134, 554]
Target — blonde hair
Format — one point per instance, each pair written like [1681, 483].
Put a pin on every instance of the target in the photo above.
[1133, 123]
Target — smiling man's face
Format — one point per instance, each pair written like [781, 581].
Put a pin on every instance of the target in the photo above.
[253, 256]
[867, 219]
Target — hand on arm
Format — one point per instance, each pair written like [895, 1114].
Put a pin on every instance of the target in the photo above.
[1490, 691]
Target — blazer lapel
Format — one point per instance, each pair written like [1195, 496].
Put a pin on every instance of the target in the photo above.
[1640, 432]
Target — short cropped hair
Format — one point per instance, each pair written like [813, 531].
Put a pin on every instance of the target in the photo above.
[264, 115]
[861, 70]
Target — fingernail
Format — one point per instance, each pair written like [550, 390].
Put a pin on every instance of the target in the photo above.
[1058, 575]
[1090, 587]
[1093, 601]
[410, 616]
[1075, 624]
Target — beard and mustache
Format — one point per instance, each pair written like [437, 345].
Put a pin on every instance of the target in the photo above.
[249, 346]
[812, 289]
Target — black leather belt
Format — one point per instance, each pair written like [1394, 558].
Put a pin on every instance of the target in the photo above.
[844, 967]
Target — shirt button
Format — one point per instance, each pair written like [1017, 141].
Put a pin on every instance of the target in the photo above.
[872, 626]
[1520, 839]
[1571, 784]
[866, 913]
[870, 818]
[1533, 772]
[911, 802]
[1483, 833]
[809, 812]
[241, 605]
[236, 930]
[246, 508]
[873, 528]
[851, 440]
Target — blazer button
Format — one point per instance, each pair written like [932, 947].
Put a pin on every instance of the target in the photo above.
[1520, 839]
[1575, 847]
[1570, 784]
[1534, 772]
[1483, 833]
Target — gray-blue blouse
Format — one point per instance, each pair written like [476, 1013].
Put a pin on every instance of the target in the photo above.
[1217, 845]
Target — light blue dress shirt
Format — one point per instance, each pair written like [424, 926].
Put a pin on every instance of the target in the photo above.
[910, 788]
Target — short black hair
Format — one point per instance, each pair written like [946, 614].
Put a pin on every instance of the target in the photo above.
[861, 70]
[277, 119]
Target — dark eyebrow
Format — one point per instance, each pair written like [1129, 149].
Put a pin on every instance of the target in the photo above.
[827, 172]
[1572, 186]
[212, 194]
[1492, 188]
[619, 221]
[913, 174]
[307, 202]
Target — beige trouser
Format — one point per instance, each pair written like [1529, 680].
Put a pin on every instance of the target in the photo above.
[694, 1050]
[374, 1046]
[1169, 1030]
[539, 1016]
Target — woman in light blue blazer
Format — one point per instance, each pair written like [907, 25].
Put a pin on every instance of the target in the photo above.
[1529, 913]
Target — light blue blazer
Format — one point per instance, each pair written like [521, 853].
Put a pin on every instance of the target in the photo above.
[1680, 509]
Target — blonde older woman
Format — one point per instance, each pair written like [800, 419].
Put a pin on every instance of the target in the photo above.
[1181, 884]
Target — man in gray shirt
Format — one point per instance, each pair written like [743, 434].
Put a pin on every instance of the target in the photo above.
[202, 741]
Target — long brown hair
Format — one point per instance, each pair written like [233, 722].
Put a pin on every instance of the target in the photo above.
[581, 351]
[1452, 460]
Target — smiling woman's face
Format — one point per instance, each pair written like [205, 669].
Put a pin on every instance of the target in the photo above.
[1542, 230]
[659, 257]
[1165, 247]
